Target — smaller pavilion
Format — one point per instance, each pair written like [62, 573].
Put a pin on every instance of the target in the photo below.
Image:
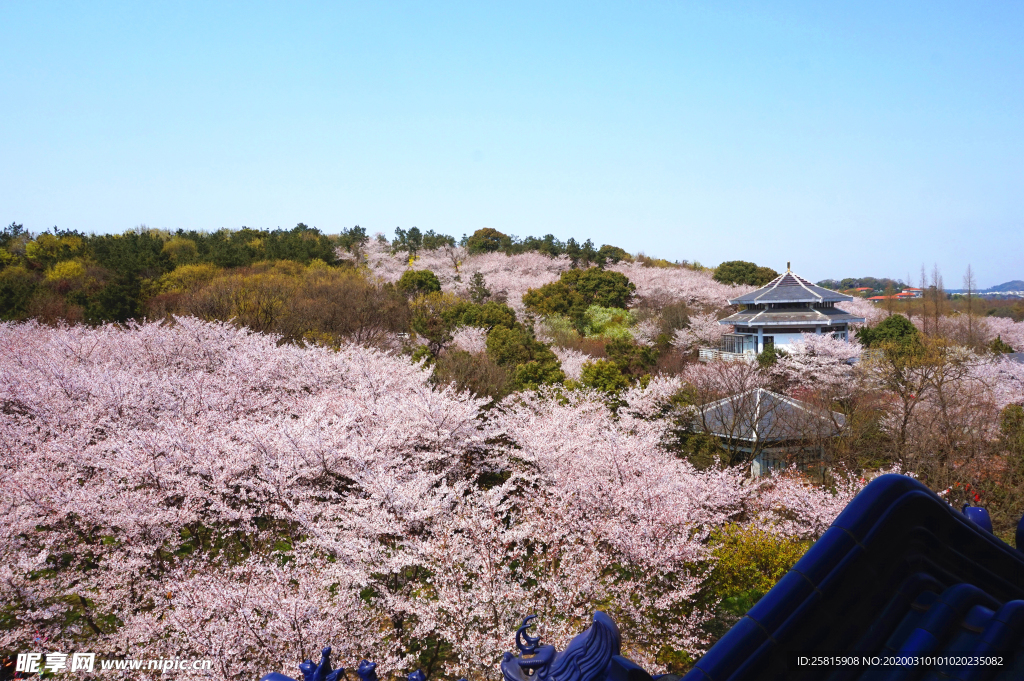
[779, 313]
[771, 431]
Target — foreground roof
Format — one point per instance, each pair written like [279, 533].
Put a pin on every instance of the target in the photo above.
[765, 416]
[790, 288]
[900, 575]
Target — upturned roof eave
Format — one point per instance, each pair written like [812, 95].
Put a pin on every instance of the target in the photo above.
[734, 319]
[744, 300]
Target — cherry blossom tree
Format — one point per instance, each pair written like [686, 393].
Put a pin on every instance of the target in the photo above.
[1011, 332]
[703, 331]
[572, 361]
[820, 362]
[472, 339]
[646, 331]
[669, 284]
[197, 490]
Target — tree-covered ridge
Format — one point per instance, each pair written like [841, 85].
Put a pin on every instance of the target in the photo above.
[109, 277]
[879, 284]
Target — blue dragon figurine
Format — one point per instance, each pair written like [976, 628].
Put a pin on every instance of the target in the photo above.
[591, 656]
[366, 670]
[312, 672]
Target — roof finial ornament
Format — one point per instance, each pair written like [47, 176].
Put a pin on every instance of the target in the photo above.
[787, 266]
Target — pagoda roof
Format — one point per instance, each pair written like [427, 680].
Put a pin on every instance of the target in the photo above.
[763, 415]
[790, 288]
[799, 316]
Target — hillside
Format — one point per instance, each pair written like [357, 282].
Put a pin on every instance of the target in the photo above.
[1015, 285]
[245, 445]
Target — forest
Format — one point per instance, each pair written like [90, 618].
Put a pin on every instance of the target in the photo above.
[248, 444]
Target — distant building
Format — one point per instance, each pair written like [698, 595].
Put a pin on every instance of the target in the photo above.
[771, 431]
[905, 294]
[779, 313]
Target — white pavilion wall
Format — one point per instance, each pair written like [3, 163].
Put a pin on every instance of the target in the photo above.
[784, 338]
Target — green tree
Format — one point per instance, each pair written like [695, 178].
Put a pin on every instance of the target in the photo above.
[433, 241]
[999, 346]
[436, 316]
[17, 285]
[487, 240]
[603, 375]
[1011, 428]
[478, 291]
[585, 254]
[893, 331]
[743, 272]
[353, 239]
[633, 360]
[750, 561]
[576, 290]
[487, 316]
[612, 254]
[410, 241]
[418, 282]
[13, 233]
[767, 358]
[515, 348]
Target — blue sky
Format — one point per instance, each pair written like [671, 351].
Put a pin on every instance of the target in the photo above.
[850, 138]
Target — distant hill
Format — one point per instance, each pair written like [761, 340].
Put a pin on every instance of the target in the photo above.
[1015, 285]
[1011, 289]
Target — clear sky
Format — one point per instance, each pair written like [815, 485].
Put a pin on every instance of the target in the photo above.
[857, 138]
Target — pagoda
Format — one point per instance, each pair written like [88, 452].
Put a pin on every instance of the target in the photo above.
[779, 313]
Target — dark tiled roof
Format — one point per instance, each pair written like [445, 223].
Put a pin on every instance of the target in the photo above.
[899, 573]
[1015, 356]
[789, 288]
[765, 416]
[795, 316]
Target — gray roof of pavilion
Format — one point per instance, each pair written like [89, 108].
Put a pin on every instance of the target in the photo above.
[790, 288]
[809, 316]
[762, 415]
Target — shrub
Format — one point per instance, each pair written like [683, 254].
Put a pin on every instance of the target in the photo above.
[608, 322]
[894, 331]
[66, 270]
[743, 272]
[749, 561]
[187, 277]
[603, 375]
[477, 373]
